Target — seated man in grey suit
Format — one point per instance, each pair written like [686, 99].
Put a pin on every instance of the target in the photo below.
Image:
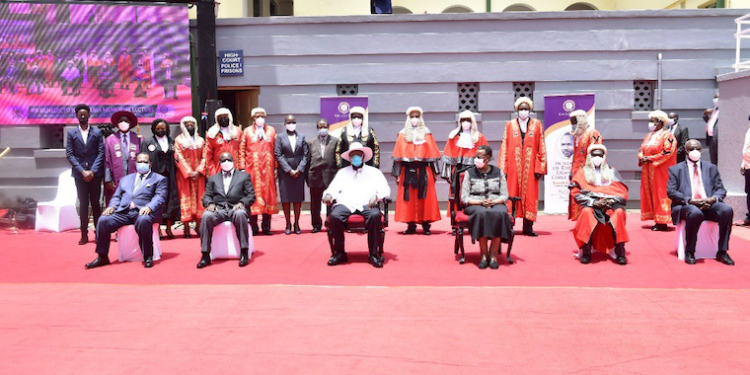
[696, 191]
[138, 200]
[229, 194]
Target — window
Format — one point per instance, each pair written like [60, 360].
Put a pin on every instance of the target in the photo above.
[347, 90]
[519, 8]
[468, 97]
[644, 95]
[401, 10]
[523, 89]
[458, 9]
[581, 6]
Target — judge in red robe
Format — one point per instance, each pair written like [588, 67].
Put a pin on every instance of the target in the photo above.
[585, 136]
[258, 159]
[415, 158]
[523, 159]
[224, 136]
[463, 143]
[191, 173]
[599, 191]
[657, 154]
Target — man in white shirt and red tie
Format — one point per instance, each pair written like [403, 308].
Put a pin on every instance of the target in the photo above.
[696, 191]
[356, 189]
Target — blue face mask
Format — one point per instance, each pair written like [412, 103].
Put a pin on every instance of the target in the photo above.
[357, 161]
[142, 168]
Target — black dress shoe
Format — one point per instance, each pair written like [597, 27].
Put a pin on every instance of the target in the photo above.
[375, 261]
[244, 258]
[205, 261]
[148, 263]
[690, 258]
[315, 230]
[297, 230]
[621, 260]
[98, 262]
[255, 230]
[288, 229]
[84, 239]
[411, 229]
[267, 232]
[723, 257]
[337, 259]
[426, 229]
[659, 228]
[530, 233]
[483, 264]
[494, 265]
[585, 258]
[187, 235]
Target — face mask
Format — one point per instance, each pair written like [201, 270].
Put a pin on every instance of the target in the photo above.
[357, 122]
[651, 126]
[523, 114]
[83, 120]
[356, 161]
[191, 130]
[480, 163]
[671, 122]
[414, 121]
[260, 121]
[142, 168]
[466, 125]
[716, 102]
[323, 132]
[291, 127]
[123, 126]
[597, 161]
[694, 155]
[223, 122]
[161, 133]
[227, 165]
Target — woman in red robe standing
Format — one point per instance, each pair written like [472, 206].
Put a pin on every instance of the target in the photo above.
[224, 136]
[191, 176]
[462, 145]
[415, 159]
[258, 159]
[657, 154]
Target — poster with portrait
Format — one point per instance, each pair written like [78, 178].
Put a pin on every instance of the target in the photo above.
[560, 145]
[54, 56]
[335, 109]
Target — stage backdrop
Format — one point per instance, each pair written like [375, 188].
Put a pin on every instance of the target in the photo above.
[335, 109]
[560, 144]
[111, 57]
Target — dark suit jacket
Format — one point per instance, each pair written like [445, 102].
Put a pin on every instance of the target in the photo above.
[681, 134]
[321, 166]
[240, 190]
[290, 160]
[680, 190]
[88, 156]
[152, 194]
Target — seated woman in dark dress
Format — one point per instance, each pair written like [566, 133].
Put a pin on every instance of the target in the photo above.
[484, 192]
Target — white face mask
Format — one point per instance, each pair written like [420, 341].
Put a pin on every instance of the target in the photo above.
[716, 102]
[123, 126]
[671, 122]
[651, 126]
[523, 114]
[414, 121]
[466, 126]
[597, 161]
[323, 132]
[291, 127]
[260, 121]
[227, 165]
[694, 155]
[480, 163]
[357, 122]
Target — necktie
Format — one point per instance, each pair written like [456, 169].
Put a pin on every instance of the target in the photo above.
[696, 183]
[138, 183]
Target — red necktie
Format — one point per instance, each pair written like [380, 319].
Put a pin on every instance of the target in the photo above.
[696, 183]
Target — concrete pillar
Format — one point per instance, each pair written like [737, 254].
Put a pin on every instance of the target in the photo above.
[734, 106]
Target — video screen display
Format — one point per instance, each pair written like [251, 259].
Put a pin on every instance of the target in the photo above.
[111, 57]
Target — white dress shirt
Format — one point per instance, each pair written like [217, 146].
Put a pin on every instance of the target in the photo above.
[227, 179]
[354, 189]
[84, 133]
[523, 124]
[163, 143]
[293, 141]
[226, 133]
[746, 151]
[691, 168]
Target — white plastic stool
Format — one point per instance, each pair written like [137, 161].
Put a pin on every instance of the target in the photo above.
[708, 240]
[130, 248]
[226, 245]
[59, 214]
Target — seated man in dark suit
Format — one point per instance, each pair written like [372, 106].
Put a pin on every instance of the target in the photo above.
[229, 194]
[696, 191]
[138, 200]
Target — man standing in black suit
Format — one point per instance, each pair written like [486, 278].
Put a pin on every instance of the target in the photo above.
[696, 191]
[229, 194]
[85, 152]
[680, 133]
[321, 170]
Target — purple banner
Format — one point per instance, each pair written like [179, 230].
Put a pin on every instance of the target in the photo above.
[336, 109]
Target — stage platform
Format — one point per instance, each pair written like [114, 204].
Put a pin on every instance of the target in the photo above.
[423, 313]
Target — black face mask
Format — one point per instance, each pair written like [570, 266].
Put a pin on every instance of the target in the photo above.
[83, 120]
[223, 122]
[161, 133]
[574, 121]
[191, 130]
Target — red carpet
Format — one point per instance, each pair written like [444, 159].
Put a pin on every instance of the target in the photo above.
[410, 261]
[547, 314]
